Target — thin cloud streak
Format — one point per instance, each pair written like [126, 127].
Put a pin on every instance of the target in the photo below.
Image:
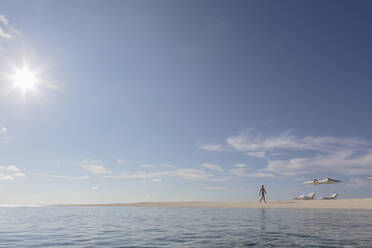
[222, 188]
[148, 166]
[61, 177]
[93, 166]
[246, 172]
[256, 154]
[241, 171]
[260, 175]
[214, 167]
[213, 147]
[188, 174]
[220, 179]
[240, 165]
[52, 86]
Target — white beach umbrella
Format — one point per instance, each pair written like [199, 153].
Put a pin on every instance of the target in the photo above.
[328, 181]
[323, 181]
[312, 182]
[370, 178]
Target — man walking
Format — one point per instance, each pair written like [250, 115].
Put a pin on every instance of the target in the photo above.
[262, 194]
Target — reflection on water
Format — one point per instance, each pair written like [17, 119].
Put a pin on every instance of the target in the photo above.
[263, 217]
[182, 227]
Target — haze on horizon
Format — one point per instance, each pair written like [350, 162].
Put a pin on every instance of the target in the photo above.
[125, 101]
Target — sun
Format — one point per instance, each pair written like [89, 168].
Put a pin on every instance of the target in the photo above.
[24, 78]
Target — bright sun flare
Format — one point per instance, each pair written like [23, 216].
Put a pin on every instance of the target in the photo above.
[24, 78]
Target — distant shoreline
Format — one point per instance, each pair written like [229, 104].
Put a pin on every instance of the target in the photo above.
[347, 204]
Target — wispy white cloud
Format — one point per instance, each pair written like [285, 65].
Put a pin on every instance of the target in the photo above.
[240, 171]
[214, 167]
[260, 175]
[251, 141]
[192, 174]
[120, 161]
[240, 165]
[19, 174]
[213, 147]
[93, 166]
[3, 130]
[348, 162]
[94, 188]
[4, 176]
[256, 154]
[10, 172]
[4, 20]
[12, 168]
[4, 34]
[61, 176]
[7, 31]
[156, 180]
[303, 155]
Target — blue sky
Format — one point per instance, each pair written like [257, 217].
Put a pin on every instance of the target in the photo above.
[183, 100]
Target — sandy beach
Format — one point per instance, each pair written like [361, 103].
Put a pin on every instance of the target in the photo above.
[356, 204]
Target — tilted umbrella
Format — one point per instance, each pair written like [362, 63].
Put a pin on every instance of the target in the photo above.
[328, 181]
[323, 181]
[312, 182]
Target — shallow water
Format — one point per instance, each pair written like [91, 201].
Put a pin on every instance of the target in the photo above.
[182, 227]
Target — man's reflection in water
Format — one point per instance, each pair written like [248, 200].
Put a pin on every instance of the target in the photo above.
[263, 218]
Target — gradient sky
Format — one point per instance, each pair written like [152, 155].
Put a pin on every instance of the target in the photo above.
[184, 100]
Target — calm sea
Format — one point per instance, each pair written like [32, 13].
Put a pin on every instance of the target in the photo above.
[182, 227]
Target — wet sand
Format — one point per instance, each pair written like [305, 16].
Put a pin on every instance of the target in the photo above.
[357, 204]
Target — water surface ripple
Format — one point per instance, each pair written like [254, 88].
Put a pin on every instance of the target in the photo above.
[182, 227]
